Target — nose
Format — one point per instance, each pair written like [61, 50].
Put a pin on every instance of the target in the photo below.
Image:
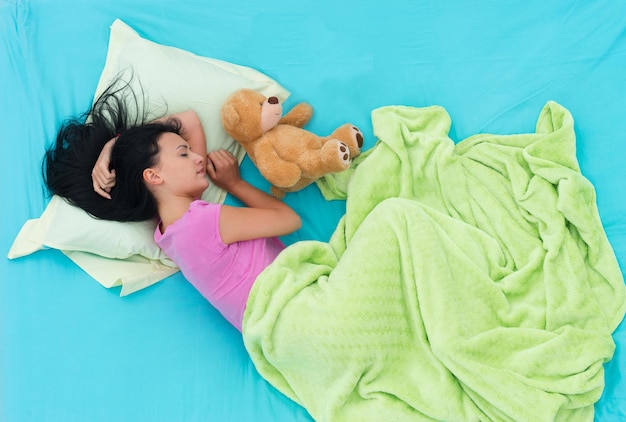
[272, 100]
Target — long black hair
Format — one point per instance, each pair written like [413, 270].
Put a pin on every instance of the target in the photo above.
[68, 163]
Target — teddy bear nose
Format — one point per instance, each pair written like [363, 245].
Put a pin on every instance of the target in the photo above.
[272, 100]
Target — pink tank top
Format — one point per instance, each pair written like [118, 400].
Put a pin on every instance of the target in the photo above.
[222, 273]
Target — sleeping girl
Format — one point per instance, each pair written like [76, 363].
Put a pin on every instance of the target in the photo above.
[122, 168]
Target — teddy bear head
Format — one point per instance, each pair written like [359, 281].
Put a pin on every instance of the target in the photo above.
[247, 115]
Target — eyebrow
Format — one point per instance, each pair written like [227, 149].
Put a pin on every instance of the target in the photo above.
[182, 146]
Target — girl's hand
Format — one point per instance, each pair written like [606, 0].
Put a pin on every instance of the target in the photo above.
[103, 178]
[223, 169]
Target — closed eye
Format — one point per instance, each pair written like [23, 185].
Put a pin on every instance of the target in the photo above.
[185, 149]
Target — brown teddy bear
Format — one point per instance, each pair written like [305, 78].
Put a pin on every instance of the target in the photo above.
[288, 156]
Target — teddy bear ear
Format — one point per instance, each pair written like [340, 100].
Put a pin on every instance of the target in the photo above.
[230, 117]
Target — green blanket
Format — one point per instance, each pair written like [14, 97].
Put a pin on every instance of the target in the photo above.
[467, 282]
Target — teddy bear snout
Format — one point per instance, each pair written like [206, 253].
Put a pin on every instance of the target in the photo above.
[271, 112]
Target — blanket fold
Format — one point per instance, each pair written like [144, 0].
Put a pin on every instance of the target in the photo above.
[465, 282]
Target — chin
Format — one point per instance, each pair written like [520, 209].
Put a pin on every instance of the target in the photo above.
[199, 192]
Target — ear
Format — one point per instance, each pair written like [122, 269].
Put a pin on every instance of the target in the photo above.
[230, 117]
[152, 177]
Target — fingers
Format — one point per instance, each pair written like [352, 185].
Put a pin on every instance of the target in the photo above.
[103, 182]
[223, 168]
[220, 162]
[221, 158]
[103, 179]
[210, 168]
[100, 191]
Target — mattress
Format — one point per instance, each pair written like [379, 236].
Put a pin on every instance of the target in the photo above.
[72, 350]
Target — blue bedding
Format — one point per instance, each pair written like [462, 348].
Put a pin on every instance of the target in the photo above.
[71, 350]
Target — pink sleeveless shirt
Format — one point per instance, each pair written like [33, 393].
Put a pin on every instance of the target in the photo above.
[222, 273]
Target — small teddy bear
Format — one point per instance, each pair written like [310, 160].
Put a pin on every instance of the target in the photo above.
[288, 156]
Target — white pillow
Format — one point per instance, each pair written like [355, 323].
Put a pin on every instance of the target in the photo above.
[125, 253]
[63, 226]
[113, 253]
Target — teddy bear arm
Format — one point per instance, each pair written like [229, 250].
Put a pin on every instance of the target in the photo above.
[298, 116]
[277, 171]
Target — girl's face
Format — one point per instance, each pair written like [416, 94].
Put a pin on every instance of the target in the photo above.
[181, 171]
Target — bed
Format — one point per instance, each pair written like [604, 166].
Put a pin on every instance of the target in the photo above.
[71, 350]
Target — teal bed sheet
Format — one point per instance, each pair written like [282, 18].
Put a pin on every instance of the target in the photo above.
[71, 350]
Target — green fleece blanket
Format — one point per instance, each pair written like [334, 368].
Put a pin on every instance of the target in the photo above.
[467, 282]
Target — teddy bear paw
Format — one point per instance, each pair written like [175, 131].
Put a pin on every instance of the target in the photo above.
[344, 154]
[336, 156]
[351, 136]
[357, 136]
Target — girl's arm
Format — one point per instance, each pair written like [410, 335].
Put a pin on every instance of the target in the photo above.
[265, 216]
[192, 132]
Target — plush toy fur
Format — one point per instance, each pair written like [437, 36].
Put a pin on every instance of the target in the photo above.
[288, 156]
